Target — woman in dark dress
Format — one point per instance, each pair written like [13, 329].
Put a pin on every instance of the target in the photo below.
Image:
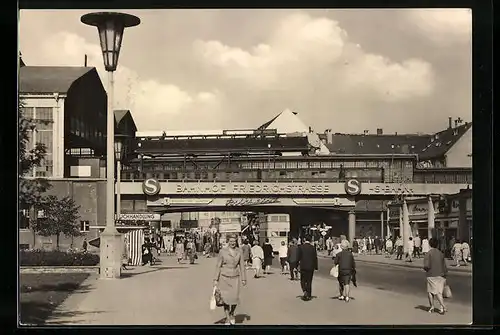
[355, 246]
[268, 256]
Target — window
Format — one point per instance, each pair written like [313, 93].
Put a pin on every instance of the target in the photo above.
[44, 135]
[24, 219]
[283, 234]
[44, 118]
[24, 246]
[84, 226]
[27, 112]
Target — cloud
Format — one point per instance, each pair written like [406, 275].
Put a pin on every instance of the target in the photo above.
[443, 26]
[305, 51]
[152, 102]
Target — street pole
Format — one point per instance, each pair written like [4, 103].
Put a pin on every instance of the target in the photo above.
[118, 195]
[110, 157]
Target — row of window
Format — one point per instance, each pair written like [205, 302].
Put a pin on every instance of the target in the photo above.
[43, 133]
[179, 166]
[373, 175]
[82, 129]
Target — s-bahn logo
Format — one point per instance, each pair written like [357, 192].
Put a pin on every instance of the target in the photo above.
[352, 187]
[151, 186]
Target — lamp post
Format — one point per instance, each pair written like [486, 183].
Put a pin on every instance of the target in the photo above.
[110, 26]
[120, 149]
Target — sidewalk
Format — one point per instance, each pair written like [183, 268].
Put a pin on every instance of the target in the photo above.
[172, 294]
[417, 262]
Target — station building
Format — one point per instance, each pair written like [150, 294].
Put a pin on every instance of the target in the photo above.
[282, 150]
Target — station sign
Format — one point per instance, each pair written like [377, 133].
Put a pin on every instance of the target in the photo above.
[152, 187]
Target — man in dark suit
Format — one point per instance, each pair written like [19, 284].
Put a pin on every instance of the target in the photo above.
[308, 262]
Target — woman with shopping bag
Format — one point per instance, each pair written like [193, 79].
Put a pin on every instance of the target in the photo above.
[230, 275]
[436, 271]
[346, 267]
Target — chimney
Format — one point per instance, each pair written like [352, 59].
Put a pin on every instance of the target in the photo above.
[85, 61]
[449, 123]
[380, 131]
[396, 133]
[329, 136]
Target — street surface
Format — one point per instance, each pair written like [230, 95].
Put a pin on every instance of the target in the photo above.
[172, 294]
[404, 280]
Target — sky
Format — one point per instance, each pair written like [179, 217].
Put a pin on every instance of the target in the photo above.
[404, 70]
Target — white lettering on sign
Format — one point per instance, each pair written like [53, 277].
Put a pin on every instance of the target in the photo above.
[392, 189]
[253, 188]
[251, 201]
[151, 187]
[418, 209]
[140, 217]
[352, 187]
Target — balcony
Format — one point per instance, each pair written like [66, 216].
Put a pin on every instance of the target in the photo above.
[443, 176]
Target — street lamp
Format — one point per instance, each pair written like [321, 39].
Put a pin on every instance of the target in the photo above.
[120, 149]
[110, 26]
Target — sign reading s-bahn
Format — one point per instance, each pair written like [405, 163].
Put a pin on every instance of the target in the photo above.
[151, 186]
[352, 187]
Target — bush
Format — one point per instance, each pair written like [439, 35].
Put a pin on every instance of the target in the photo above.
[56, 258]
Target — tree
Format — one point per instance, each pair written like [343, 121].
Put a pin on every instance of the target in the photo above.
[60, 216]
[30, 189]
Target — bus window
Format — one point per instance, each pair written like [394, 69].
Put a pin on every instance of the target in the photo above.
[283, 234]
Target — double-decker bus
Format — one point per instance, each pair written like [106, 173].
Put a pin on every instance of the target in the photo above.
[275, 227]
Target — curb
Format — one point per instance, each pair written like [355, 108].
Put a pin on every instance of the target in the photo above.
[452, 270]
[59, 269]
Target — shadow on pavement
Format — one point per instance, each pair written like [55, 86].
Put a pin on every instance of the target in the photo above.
[61, 318]
[63, 287]
[301, 297]
[240, 318]
[153, 269]
[422, 307]
[337, 298]
[37, 313]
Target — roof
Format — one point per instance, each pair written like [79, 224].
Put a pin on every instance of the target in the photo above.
[426, 146]
[49, 79]
[377, 144]
[439, 143]
[121, 115]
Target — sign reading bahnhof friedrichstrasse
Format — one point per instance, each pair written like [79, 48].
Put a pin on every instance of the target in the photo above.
[290, 188]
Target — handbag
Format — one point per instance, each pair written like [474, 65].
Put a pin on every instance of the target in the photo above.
[213, 302]
[334, 272]
[447, 291]
[218, 297]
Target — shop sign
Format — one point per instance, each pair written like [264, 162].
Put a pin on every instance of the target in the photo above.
[418, 209]
[230, 228]
[140, 217]
[251, 201]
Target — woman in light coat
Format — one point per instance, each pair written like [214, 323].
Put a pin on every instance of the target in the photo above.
[425, 246]
[230, 275]
[465, 252]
